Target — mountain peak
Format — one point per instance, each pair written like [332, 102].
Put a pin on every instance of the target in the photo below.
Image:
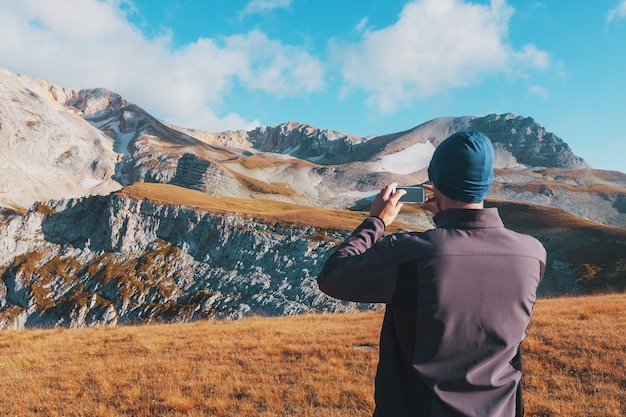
[526, 140]
[91, 102]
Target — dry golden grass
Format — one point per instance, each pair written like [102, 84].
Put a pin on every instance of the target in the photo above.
[301, 366]
[576, 357]
[313, 365]
[262, 187]
[267, 161]
[270, 210]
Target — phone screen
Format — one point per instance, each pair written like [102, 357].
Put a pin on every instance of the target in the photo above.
[413, 195]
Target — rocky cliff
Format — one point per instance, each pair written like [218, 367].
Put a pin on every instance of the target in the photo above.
[113, 259]
[524, 139]
[127, 258]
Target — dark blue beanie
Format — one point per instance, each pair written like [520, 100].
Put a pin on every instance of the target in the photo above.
[462, 166]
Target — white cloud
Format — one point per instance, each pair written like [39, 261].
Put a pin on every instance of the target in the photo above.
[618, 12]
[531, 57]
[435, 45]
[90, 43]
[539, 91]
[264, 6]
[360, 27]
[282, 70]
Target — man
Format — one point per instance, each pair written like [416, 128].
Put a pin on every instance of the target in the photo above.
[458, 297]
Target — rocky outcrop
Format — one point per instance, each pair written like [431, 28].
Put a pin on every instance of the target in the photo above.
[46, 151]
[199, 174]
[305, 142]
[526, 140]
[111, 259]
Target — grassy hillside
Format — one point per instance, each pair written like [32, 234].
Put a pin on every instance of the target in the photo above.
[313, 365]
[272, 211]
[596, 251]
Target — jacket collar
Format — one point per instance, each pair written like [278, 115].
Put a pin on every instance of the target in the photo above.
[458, 218]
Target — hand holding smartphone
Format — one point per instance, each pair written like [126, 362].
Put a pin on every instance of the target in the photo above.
[414, 195]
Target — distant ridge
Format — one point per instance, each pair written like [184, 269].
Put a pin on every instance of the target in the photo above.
[73, 143]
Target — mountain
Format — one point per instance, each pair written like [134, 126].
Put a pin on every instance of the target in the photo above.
[57, 143]
[110, 215]
[123, 258]
[47, 151]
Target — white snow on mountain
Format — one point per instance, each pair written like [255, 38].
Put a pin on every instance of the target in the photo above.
[412, 159]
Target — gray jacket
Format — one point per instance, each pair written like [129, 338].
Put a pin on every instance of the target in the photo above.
[459, 298]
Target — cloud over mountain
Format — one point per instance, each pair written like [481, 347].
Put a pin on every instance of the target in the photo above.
[435, 45]
[192, 80]
[432, 47]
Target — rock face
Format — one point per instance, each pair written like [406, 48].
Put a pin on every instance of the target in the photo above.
[112, 259]
[304, 142]
[526, 140]
[522, 138]
[46, 151]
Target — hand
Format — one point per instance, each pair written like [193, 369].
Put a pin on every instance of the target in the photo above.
[430, 202]
[385, 205]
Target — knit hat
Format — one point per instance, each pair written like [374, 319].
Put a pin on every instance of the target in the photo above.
[462, 166]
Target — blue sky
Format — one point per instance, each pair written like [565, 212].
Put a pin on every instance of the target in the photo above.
[364, 67]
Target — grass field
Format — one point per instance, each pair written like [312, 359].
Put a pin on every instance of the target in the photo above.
[312, 365]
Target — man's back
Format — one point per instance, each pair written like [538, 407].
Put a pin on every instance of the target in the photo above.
[463, 298]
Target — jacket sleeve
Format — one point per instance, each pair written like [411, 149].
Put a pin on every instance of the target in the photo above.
[363, 268]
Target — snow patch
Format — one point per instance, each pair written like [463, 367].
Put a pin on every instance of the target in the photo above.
[122, 141]
[409, 160]
[90, 183]
[359, 194]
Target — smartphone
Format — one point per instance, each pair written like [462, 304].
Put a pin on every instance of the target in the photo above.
[413, 195]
